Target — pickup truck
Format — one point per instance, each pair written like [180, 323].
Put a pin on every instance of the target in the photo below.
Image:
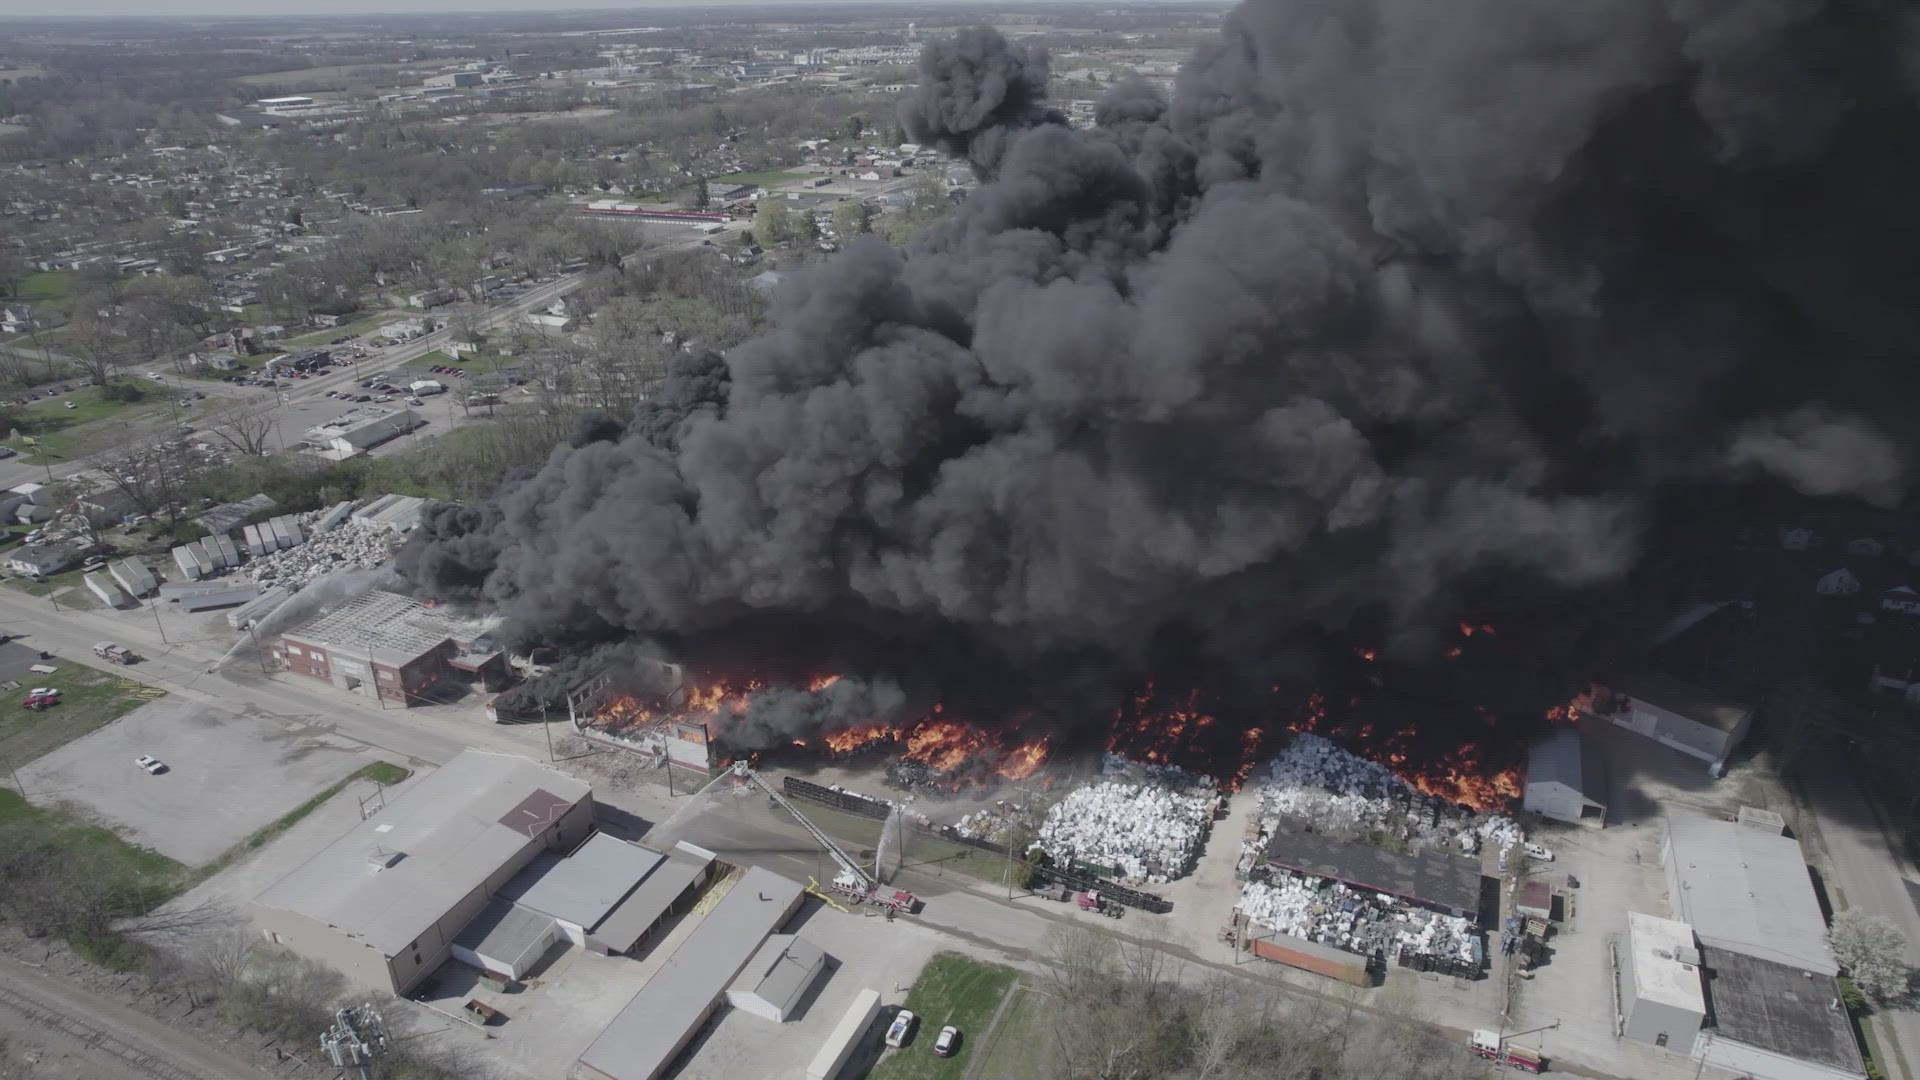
[113, 654]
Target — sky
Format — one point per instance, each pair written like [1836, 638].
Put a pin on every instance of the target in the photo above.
[41, 9]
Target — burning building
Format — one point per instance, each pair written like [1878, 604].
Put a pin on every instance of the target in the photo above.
[1394, 312]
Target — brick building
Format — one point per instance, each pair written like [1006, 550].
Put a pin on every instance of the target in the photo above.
[392, 647]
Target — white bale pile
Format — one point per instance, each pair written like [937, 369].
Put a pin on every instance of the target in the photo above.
[1149, 823]
[350, 546]
[1342, 794]
[1357, 920]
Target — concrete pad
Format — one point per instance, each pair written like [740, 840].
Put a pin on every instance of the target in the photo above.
[227, 776]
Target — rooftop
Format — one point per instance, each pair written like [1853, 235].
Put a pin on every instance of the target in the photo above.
[1659, 971]
[1779, 1008]
[386, 627]
[1427, 877]
[1562, 758]
[1713, 708]
[445, 836]
[780, 969]
[644, 906]
[647, 1034]
[506, 933]
[586, 885]
[1745, 887]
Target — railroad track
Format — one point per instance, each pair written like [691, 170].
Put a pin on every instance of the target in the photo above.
[146, 1063]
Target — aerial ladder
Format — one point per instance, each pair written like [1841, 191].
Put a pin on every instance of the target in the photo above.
[853, 881]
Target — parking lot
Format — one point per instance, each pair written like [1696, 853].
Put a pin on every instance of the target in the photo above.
[227, 775]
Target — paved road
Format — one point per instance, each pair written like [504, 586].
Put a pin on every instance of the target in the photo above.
[1864, 872]
[161, 1051]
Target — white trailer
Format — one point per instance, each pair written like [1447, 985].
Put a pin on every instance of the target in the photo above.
[191, 560]
[133, 576]
[846, 1036]
[107, 591]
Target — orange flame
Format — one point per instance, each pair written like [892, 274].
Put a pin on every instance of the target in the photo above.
[1366, 654]
[1454, 653]
[1466, 629]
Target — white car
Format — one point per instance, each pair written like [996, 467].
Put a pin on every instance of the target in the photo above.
[900, 1029]
[44, 691]
[948, 1042]
[155, 376]
[1535, 851]
[152, 765]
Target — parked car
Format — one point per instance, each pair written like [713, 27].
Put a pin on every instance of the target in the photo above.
[901, 1029]
[41, 697]
[153, 766]
[948, 1042]
[415, 401]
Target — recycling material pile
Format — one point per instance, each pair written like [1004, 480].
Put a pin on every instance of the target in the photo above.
[1143, 822]
[1334, 791]
[999, 823]
[1361, 921]
[351, 546]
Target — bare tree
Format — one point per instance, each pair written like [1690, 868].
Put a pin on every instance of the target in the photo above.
[152, 473]
[101, 348]
[248, 429]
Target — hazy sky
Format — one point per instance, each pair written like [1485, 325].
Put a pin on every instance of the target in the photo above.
[41, 8]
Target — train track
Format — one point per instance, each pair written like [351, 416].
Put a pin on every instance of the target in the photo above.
[92, 1036]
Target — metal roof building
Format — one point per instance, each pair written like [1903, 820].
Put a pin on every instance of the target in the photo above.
[1565, 781]
[385, 902]
[1746, 889]
[1429, 878]
[133, 576]
[646, 1035]
[777, 977]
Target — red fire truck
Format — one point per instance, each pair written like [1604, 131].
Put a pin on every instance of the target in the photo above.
[1490, 1045]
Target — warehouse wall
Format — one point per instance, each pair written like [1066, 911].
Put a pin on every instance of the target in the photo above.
[325, 945]
[1747, 1060]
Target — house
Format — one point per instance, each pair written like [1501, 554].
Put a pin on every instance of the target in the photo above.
[25, 318]
[406, 329]
[39, 560]
[548, 321]
[1841, 582]
[214, 361]
[323, 319]
[463, 348]
[428, 299]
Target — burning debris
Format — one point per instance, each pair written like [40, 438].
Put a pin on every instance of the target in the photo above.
[1315, 783]
[1144, 822]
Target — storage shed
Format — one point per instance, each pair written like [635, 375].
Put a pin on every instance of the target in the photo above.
[773, 982]
[1565, 781]
[133, 576]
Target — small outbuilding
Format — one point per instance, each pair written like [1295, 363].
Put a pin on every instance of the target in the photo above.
[1565, 781]
[773, 982]
[1662, 998]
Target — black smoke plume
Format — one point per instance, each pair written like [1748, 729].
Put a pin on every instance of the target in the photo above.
[1396, 311]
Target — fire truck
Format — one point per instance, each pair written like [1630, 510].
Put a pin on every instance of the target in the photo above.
[1490, 1045]
[853, 882]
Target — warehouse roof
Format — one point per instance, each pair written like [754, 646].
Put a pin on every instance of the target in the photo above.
[647, 1034]
[1781, 1009]
[586, 885]
[506, 933]
[644, 906]
[1713, 708]
[1427, 877]
[1747, 887]
[441, 839]
[1666, 966]
[386, 627]
[780, 970]
[1562, 758]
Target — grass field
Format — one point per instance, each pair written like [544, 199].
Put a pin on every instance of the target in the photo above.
[328, 333]
[1022, 1045]
[89, 699]
[46, 286]
[765, 178]
[49, 422]
[80, 839]
[951, 989]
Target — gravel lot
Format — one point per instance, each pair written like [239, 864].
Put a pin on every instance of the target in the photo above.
[227, 776]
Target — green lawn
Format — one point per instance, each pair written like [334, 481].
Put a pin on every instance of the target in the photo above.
[428, 359]
[46, 423]
[952, 989]
[89, 699]
[80, 838]
[764, 178]
[46, 286]
[66, 587]
[1022, 1045]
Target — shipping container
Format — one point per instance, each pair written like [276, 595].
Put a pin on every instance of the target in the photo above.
[1312, 956]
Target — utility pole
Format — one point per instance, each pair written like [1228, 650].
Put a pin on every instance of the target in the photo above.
[155, 607]
[356, 1040]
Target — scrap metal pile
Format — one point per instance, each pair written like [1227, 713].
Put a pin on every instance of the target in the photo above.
[350, 546]
[1144, 822]
[1364, 922]
[1341, 794]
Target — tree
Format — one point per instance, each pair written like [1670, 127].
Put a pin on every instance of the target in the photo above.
[96, 343]
[805, 227]
[702, 198]
[773, 221]
[850, 219]
[12, 269]
[855, 126]
[247, 429]
[1873, 951]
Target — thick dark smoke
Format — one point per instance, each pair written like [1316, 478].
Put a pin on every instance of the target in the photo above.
[1396, 311]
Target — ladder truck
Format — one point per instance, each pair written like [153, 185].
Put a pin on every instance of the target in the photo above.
[853, 880]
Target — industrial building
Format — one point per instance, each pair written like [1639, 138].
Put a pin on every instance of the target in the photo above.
[1776, 1021]
[1430, 879]
[384, 903]
[392, 647]
[1696, 721]
[1662, 1000]
[646, 1035]
[391, 513]
[358, 430]
[1565, 780]
[777, 977]
[1744, 887]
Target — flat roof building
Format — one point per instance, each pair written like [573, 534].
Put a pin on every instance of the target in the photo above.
[1433, 879]
[1776, 1022]
[385, 903]
[1746, 888]
[1701, 723]
[1662, 999]
[607, 895]
[358, 430]
[1565, 781]
[649, 1033]
[389, 646]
